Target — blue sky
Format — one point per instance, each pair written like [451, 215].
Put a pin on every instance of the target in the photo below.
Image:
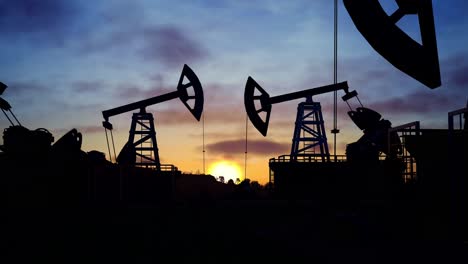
[66, 61]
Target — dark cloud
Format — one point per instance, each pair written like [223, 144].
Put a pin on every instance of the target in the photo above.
[48, 19]
[456, 74]
[130, 91]
[120, 38]
[373, 76]
[33, 90]
[171, 46]
[87, 86]
[174, 116]
[22, 88]
[369, 76]
[90, 129]
[219, 135]
[420, 102]
[168, 45]
[454, 90]
[388, 94]
[179, 115]
[459, 79]
[219, 107]
[134, 92]
[259, 147]
[156, 77]
[81, 129]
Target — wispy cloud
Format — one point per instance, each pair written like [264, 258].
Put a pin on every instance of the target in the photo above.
[456, 71]
[180, 115]
[170, 45]
[87, 86]
[26, 88]
[81, 129]
[131, 92]
[419, 102]
[451, 95]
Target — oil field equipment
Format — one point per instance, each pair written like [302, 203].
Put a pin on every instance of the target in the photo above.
[309, 127]
[6, 107]
[420, 61]
[19, 140]
[377, 137]
[146, 147]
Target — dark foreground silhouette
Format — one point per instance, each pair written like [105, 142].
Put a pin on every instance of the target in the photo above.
[76, 206]
[226, 232]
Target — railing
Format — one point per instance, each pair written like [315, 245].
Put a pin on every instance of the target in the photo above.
[410, 172]
[461, 114]
[168, 167]
[307, 158]
[164, 167]
[457, 122]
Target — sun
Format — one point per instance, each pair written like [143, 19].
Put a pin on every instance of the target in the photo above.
[227, 169]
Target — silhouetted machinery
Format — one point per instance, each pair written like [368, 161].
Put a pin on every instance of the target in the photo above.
[309, 121]
[305, 172]
[309, 129]
[250, 98]
[146, 147]
[419, 61]
[18, 140]
[375, 139]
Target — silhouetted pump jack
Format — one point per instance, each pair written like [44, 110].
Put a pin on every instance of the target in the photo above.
[146, 147]
[419, 61]
[250, 99]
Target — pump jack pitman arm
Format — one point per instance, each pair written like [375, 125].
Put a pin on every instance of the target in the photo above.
[266, 101]
[181, 92]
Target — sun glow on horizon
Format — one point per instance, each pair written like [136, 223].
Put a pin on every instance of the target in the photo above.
[228, 169]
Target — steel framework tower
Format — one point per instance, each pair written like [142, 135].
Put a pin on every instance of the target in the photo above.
[309, 138]
[146, 147]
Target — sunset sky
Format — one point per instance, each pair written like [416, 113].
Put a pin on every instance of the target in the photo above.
[67, 61]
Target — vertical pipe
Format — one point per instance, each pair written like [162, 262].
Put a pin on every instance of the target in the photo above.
[108, 147]
[335, 76]
[245, 153]
[203, 140]
[113, 145]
